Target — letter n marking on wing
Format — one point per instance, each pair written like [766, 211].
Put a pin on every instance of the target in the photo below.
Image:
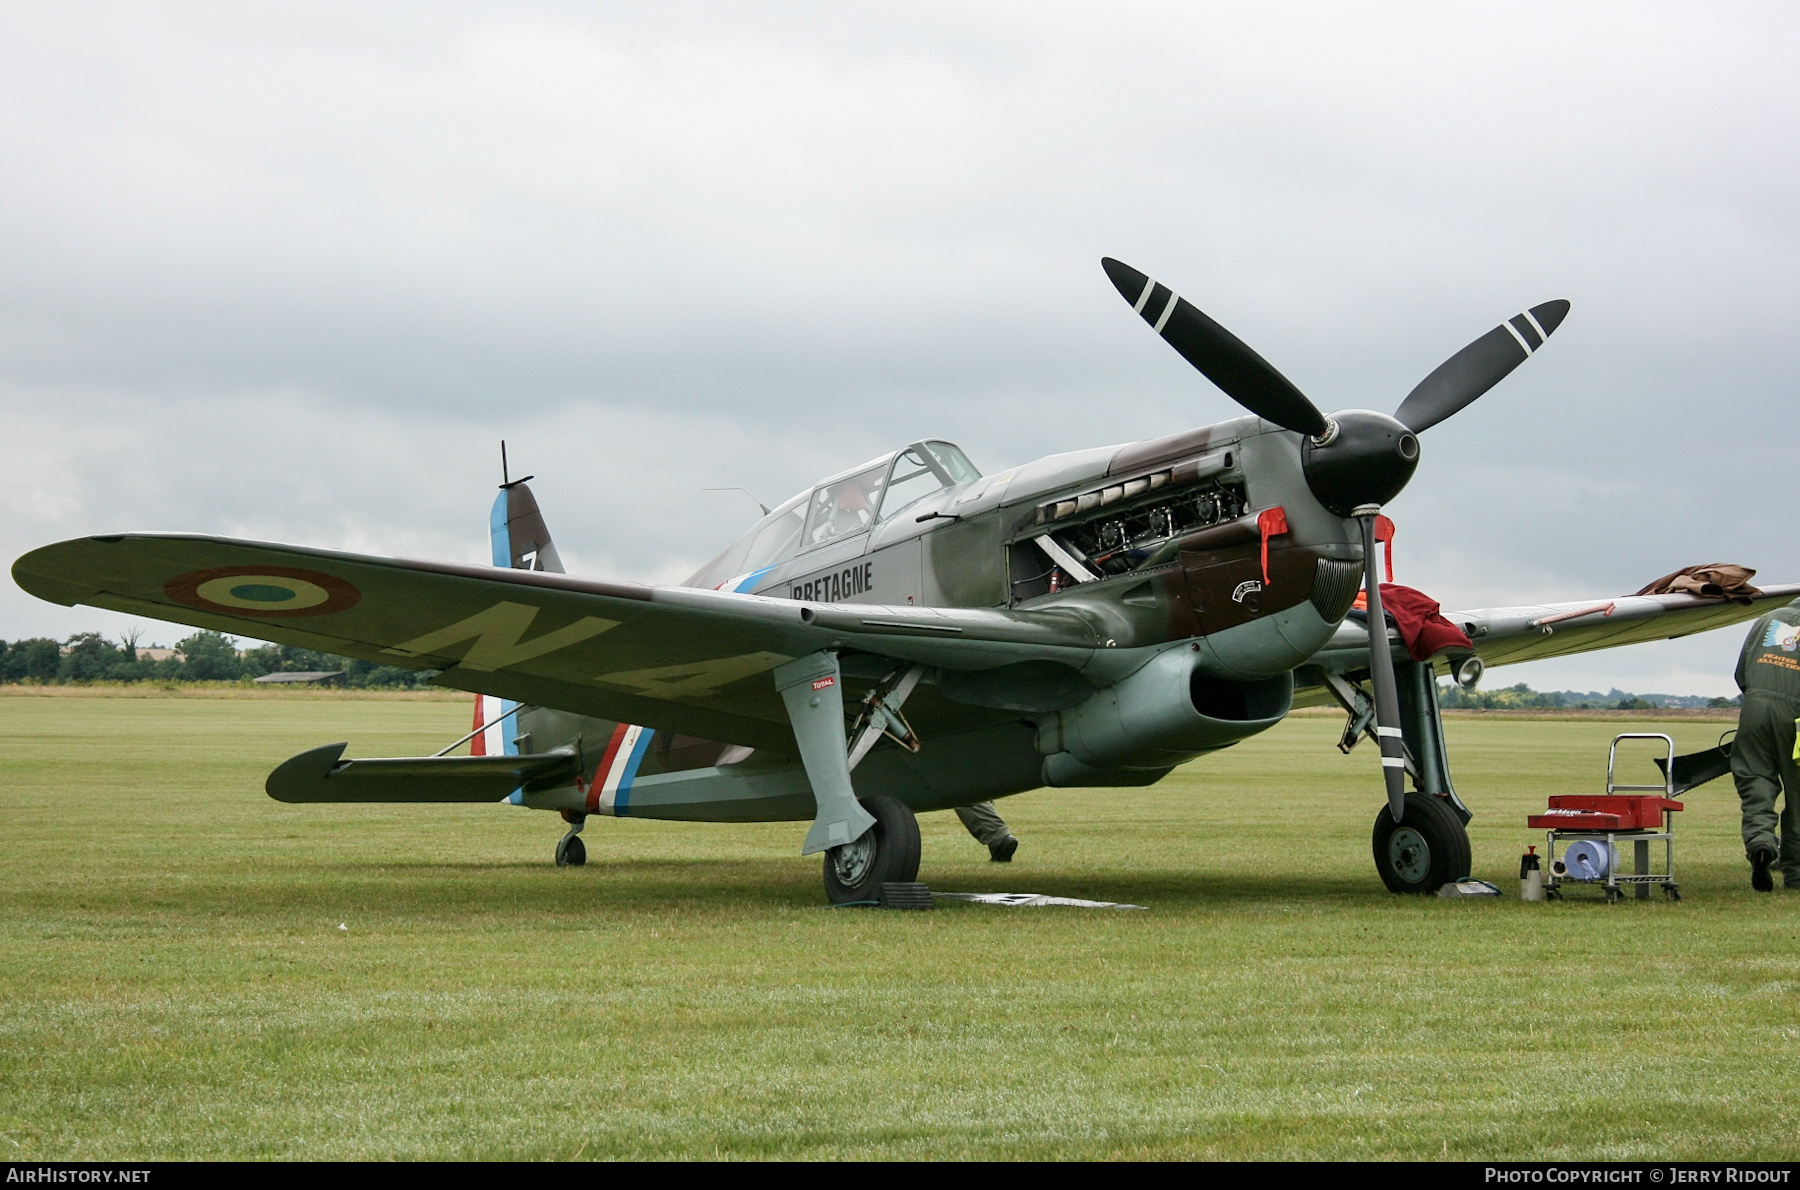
[496, 634]
[695, 679]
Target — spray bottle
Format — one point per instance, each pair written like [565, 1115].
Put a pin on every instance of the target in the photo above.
[1531, 876]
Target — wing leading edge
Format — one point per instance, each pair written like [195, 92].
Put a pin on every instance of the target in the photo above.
[1510, 635]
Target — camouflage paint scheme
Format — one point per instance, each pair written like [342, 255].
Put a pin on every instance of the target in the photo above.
[1031, 678]
[1088, 619]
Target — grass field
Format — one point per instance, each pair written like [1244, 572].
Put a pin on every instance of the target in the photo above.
[174, 982]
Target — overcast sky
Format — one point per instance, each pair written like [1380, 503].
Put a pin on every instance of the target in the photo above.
[291, 272]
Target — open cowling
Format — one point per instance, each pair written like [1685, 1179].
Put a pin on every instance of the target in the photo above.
[1355, 460]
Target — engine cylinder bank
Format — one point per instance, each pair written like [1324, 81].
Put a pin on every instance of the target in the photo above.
[1163, 715]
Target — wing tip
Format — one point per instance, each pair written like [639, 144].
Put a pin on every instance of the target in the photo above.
[301, 778]
[35, 573]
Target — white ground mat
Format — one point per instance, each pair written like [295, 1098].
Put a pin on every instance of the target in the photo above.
[1030, 900]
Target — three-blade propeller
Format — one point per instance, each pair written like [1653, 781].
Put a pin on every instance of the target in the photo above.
[1355, 460]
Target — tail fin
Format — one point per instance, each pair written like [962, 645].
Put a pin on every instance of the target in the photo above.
[520, 537]
[521, 541]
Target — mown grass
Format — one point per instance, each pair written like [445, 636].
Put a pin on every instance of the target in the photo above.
[173, 981]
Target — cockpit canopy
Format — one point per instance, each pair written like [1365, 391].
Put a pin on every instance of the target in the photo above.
[841, 507]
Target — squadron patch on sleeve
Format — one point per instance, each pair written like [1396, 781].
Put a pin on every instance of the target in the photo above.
[266, 591]
[1785, 637]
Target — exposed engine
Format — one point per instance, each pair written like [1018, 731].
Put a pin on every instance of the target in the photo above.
[1131, 538]
[1116, 530]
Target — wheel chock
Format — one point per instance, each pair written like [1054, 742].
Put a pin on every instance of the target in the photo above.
[905, 895]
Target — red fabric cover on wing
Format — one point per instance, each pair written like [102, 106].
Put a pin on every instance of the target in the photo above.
[1423, 630]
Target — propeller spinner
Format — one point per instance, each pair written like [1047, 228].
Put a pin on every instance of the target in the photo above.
[1355, 460]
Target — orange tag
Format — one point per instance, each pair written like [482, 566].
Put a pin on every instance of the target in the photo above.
[1384, 533]
[1272, 522]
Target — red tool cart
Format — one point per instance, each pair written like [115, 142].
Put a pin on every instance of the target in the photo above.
[1590, 829]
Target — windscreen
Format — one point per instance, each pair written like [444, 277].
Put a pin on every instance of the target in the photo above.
[921, 470]
[915, 476]
[954, 462]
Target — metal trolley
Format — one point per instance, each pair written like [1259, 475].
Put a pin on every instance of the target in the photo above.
[1640, 834]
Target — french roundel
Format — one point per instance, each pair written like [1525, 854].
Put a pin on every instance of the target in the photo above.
[269, 591]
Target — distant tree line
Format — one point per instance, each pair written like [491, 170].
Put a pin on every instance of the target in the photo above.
[1523, 698]
[202, 657]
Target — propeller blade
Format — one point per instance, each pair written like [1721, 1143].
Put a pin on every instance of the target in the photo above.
[1381, 676]
[1221, 356]
[1479, 366]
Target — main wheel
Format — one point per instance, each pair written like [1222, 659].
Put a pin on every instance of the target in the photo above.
[1425, 850]
[887, 851]
[571, 852]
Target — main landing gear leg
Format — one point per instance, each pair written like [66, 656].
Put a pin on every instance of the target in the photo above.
[1422, 730]
[1429, 846]
[866, 843]
[571, 852]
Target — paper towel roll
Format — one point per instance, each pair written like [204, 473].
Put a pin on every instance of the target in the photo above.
[1589, 859]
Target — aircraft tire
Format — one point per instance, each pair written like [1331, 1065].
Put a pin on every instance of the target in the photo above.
[1425, 850]
[571, 852]
[888, 852]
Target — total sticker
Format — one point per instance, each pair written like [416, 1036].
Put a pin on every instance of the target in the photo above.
[821, 683]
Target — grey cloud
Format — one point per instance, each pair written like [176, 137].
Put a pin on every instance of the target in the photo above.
[290, 271]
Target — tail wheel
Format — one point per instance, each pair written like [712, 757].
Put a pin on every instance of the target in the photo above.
[886, 852]
[571, 852]
[1425, 850]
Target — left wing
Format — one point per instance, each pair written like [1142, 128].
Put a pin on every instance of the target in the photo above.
[1509, 635]
[671, 658]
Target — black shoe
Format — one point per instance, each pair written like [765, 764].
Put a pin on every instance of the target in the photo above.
[1759, 870]
[1002, 853]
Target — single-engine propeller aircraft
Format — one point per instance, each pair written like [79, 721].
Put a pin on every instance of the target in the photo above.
[913, 635]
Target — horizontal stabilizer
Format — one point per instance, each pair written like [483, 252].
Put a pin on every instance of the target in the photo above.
[319, 775]
[1697, 768]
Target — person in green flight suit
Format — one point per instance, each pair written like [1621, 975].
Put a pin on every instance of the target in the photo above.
[1763, 756]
